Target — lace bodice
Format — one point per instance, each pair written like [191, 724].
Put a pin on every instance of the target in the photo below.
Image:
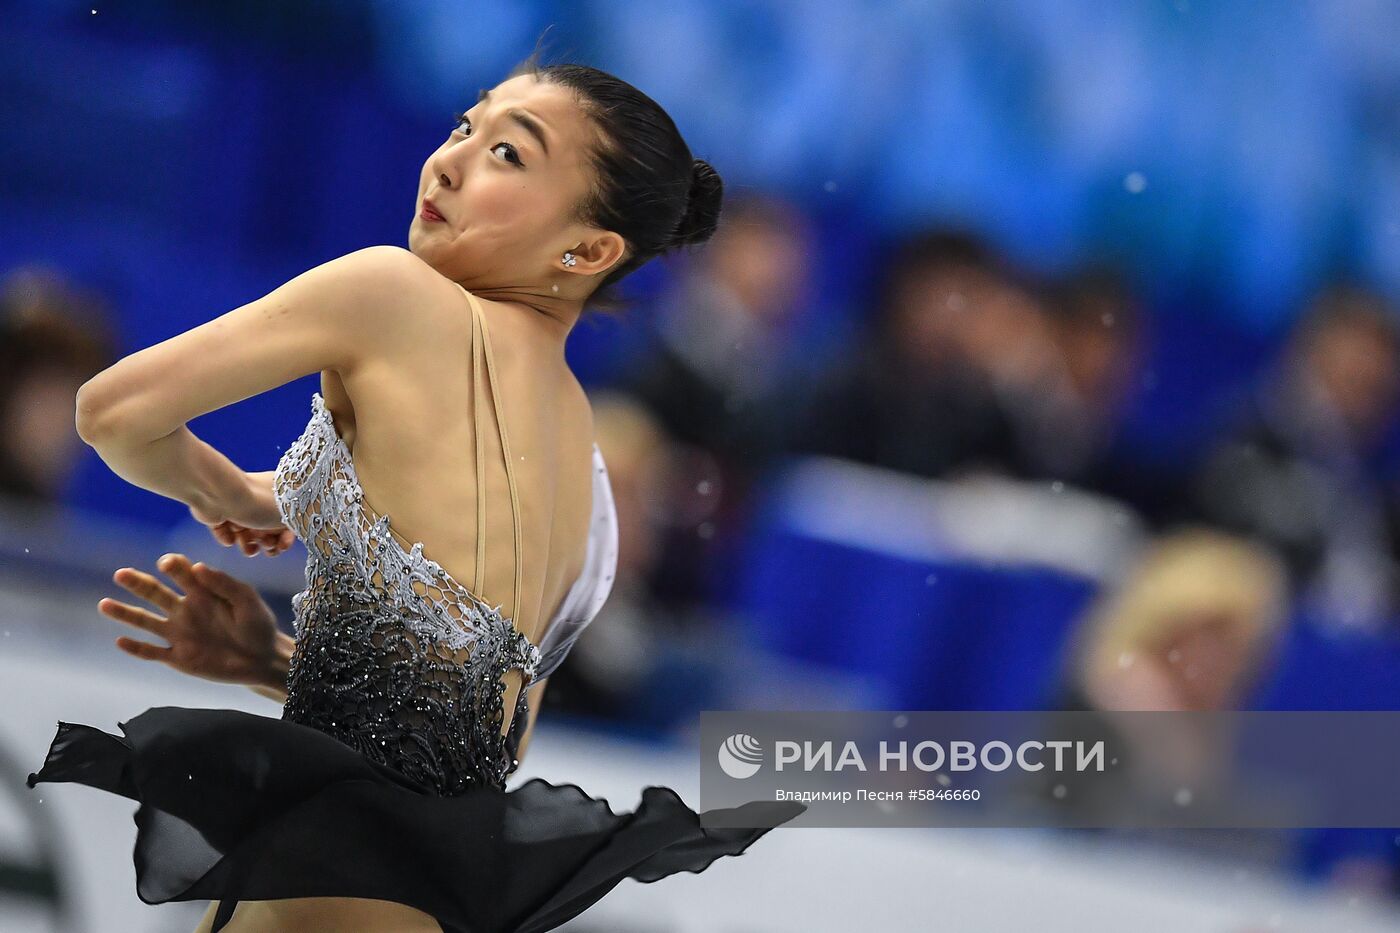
[395, 657]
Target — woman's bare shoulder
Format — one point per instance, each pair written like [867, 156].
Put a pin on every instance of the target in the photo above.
[390, 266]
[412, 299]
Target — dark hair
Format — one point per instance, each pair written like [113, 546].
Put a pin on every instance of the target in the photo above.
[47, 323]
[648, 187]
[1079, 297]
[1347, 302]
[929, 251]
[48, 327]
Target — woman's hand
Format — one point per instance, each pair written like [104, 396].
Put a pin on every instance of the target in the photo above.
[219, 630]
[249, 519]
[251, 540]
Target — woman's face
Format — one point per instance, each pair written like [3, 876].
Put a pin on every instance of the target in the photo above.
[505, 195]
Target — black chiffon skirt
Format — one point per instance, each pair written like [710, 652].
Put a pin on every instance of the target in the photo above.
[236, 806]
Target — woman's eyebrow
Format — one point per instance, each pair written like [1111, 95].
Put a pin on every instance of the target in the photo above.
[519, 116]
[527, 121]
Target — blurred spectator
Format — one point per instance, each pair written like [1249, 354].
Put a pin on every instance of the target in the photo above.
[1070, 422]
[1194, 628]
[720, 334]
[1092, 319]
[618, 669]
[1189, 629]
[1295, 470]
[53, 338]
[1006, 335]
[921, 394]
[715, 372]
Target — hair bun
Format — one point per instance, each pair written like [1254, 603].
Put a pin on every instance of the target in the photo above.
[702, 207]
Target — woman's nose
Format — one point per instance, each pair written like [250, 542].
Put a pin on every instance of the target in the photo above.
[443, 164]
[449, 162]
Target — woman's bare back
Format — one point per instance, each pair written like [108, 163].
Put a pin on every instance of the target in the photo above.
[410, 425]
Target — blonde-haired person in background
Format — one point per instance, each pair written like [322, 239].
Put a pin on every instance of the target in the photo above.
[1189, 628]
[1192, 629]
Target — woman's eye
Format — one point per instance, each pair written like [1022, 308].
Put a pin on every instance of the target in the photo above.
[513, 156]
[463, 120]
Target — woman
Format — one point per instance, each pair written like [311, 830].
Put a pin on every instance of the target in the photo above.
[377, 801]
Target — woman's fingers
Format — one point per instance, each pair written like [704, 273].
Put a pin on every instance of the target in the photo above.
[275, 542]
[246, 540]
[252, 541]
[263, 540]
[143, 649]
[131, 615]
[147, 587]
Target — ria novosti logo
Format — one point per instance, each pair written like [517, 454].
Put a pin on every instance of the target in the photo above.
[740, 755]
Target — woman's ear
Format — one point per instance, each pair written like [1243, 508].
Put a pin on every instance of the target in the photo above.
[598, 253]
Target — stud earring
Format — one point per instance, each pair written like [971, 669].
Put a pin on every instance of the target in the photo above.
[569, 259]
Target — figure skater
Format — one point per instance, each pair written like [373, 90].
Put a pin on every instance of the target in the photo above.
[377, 801]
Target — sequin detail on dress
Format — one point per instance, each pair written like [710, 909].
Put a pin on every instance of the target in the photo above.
[393, 656]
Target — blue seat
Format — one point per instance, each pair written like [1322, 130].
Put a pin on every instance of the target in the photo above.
[936, 633]
[1319, 667]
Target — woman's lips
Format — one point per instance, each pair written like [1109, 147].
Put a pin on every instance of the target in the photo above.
[429, 214]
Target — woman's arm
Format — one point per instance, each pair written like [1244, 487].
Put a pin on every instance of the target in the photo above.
[336, 316]
[180, 466]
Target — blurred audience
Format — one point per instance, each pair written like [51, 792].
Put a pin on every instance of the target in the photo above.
[716, 372]
[973, 365]
[1296, 467]
[719, 352]
[920, 393]
[53, 338]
